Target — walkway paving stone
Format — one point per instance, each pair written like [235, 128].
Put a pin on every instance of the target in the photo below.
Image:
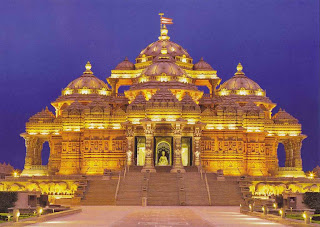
[176, 216]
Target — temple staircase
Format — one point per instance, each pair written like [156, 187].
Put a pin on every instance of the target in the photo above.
[224, 193]
[130, 190]
[163, 189]
[100, 192]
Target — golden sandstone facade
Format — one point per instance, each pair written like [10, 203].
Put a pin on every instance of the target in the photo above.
[163, 119]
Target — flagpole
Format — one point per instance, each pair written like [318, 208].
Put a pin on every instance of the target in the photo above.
[161, 14]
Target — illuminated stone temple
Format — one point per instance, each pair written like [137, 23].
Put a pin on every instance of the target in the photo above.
[164, 119]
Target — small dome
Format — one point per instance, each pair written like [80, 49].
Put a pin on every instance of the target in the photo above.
[87, 80]
[202, 65]
[283, 117]
[125, 65]
[45, 115]
[239, 80]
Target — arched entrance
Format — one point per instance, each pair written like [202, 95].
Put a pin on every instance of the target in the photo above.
[163, 151]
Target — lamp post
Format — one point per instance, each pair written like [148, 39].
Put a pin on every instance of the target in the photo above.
[39, 211]
[16, 215]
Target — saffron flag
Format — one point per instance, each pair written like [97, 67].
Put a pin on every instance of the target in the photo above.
[165, 20]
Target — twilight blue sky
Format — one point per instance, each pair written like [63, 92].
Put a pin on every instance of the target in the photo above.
[45, 44]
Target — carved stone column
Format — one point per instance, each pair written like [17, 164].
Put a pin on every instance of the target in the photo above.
[177, 162]
[296, 147]
[55, 143]
[149, 163]
[33, 150]
[289, 152]
[113, 84]
[130, 144]
[197, 150]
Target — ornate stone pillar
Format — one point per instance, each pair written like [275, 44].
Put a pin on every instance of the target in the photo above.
[55, 143]
[33, 150]
[113, 84]
[289, 152]
[149, 163]
[130, 144]
[296, 147]
[214, 84]
[197, 150]
[177, 162]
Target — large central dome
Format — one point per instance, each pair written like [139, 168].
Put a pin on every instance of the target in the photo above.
[154, 49]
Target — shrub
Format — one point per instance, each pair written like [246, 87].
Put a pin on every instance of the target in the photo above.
[312, 200]
[7, 200]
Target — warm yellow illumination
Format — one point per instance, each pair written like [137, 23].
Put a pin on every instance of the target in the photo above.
[44, 133]
[259, 93]
[191, 121]
[224, 92]
[164, 79]
[68, 91]
[88, 66]
[116, 126]
[242, 92]
[232, 126]
[164, 51]
[293, 134]
[102, 92]
[170, 118]
[15, 174]
[85, 91]
[33, 133]
[219, 127]
[143, 79]
[184, 80]
[304, 215]
[311, 175]
[156, 118]
[209, 126]
[135, 121]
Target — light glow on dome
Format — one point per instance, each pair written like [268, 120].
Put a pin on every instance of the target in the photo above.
[68, 91]
[85, 91]
[103, 92]
[242, 92]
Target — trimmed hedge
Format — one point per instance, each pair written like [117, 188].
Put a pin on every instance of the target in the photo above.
[312, 200]
[7, 200]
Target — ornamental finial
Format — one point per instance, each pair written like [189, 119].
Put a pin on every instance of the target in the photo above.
[88, 68]
[239, 70]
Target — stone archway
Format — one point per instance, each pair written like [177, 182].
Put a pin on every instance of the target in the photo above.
[292, 147]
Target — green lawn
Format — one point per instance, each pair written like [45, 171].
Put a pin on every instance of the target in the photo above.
[299, 217]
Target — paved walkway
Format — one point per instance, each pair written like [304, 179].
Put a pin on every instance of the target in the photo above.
[157, 216]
